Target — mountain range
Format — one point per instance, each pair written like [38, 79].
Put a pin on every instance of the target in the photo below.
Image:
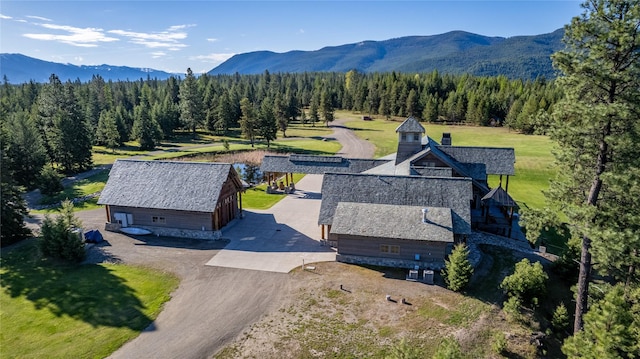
[19, 68]
[456, 52]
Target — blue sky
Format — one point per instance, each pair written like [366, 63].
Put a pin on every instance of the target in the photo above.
[174, 35]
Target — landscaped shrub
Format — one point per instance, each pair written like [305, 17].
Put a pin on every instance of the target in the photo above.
[62, 237]
[527, 283]
[512, 308]
[458, 270]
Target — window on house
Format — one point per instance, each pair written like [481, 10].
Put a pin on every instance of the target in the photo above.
[416, 137]
[157, 219]
[386, 248]
[403, 137]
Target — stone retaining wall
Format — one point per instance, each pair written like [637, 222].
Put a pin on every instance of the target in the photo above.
[389, 262]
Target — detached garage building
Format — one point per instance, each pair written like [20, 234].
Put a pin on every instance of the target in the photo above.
[182, 199]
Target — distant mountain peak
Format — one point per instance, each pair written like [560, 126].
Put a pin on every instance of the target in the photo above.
[19, 68]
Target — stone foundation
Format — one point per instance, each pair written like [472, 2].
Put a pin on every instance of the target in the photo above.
[389, 262]
[171, 232]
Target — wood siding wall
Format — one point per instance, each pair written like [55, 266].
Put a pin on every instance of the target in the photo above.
[367, 246]
[172, 218]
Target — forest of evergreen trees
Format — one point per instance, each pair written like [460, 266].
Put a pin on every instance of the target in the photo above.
[49, 129]
[58, 122]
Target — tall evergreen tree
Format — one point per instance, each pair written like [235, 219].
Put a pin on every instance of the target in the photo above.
[107, 132]
[458, 270]
[191, 106]
[71, 136]
[12, 226]
[597, 131]
[267, 127]
[326, 107]
[248, 120]
[145, 129]
[24, 145]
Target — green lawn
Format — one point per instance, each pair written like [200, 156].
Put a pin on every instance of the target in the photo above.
[533, 153]
[258, 198]
[51, 310]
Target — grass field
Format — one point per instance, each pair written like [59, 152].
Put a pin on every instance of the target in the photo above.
[533, 153]
[257, 197]
[51, 310]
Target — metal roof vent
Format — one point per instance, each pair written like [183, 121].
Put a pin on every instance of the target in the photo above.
[424, 215]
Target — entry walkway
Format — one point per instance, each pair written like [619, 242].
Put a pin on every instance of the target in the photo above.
[280, 238]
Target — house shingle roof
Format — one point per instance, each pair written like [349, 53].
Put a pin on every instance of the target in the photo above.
[364, 219]
[184, 186]
[500, 197]
[317, 164]
[453, 192]
[499, 161]
[410, 125]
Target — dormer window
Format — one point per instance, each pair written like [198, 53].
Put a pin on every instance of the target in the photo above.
[403, 137]
[416, 137]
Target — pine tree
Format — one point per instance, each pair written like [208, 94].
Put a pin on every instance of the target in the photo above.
[107, 132]
[60, 237]
[248, 121]
[191, 106]
[145, 129]
[611, 328]
[597, 131]
[25, 147]
[267, 127]
[326, 107]
[12, 226]
[458, 269]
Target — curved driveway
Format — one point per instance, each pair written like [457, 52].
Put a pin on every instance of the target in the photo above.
[216, 302]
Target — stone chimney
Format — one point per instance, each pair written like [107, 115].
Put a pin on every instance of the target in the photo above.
[446, 139]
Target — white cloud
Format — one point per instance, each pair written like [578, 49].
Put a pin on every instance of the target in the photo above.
[169, 39]
[5, 17]
[158, 54]
[81, 37]
[38, 18]
[212, 58]
[211, 39]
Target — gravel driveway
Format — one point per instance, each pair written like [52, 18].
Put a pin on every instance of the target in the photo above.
[215, 303]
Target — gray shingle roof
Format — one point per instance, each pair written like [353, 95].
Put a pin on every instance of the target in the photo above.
[432, 171]
[499, 161]
[185, 186]
[453, 192]
[316, 164]
[410, 125]
[500, 197]
[368, 220]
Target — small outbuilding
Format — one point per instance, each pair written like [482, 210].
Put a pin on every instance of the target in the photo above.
[182, 199]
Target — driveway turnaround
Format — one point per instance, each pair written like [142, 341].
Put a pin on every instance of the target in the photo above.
[280, 238]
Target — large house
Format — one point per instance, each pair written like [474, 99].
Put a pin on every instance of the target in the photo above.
[407, 209]
[181, 199]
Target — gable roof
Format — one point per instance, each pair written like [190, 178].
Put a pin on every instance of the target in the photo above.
[410, 125]
[452, 192]
[309, 164]
[499, 161]
[500, 197]
[184, 186]
[364, 219]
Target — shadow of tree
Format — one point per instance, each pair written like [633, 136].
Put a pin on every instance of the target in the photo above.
[91, 293]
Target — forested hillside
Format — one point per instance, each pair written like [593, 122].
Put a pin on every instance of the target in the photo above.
[456, 52]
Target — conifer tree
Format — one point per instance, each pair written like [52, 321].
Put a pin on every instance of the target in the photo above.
[248, 120]
[458, 269]
[597, 131]
[191, 106]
